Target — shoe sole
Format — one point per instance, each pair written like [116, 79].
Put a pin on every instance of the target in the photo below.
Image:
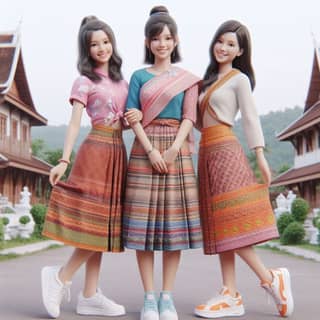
[44, 277]
[98, 312]
[238, 312]
[287, 284]
[142, 316]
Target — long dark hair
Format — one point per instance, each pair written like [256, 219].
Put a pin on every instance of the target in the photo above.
[242, 62]
[159, 18]
[86, 64]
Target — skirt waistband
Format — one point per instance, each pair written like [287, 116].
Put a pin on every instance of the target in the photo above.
[216, 134]
[106, 131]
[165, 122]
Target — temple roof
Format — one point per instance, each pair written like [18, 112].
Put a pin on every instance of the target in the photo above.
[311, 114]
[14, 87]
[293, 176]
[34, 164]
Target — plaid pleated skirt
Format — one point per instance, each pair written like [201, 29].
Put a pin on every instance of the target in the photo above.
[235, 210]
[86, 211]
[161, 211]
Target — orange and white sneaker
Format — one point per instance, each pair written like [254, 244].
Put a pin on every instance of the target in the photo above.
[223, 305]
[280, 291]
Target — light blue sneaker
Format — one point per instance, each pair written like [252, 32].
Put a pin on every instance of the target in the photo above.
[150, 307]
[166, 307]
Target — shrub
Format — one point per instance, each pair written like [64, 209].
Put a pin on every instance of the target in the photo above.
[293, 233]
[299, 209]
[1, 232]
[284, 220]
[5, 221]
[316, 222]
[38, 212]
[24, 219]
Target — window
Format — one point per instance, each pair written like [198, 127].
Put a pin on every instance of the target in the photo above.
[299, 145]
[24, 132]
[3, 126]
[309, 141]
[14, 129]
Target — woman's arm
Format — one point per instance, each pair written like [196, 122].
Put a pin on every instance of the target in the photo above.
[72, 132]
[263, 165]
[154, 155]
[170, 154]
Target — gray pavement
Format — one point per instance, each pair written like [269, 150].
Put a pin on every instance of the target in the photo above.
[198, 279]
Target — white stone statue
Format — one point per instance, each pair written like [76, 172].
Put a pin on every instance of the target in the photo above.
[290, 198]
[25, 197]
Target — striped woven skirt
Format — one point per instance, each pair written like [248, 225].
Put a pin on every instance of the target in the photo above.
[86, 211]
[235, 209]
[161, 211]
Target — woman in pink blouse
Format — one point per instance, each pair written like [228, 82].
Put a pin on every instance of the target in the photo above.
[85, 211]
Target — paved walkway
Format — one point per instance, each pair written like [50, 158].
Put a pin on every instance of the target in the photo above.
[198, 278]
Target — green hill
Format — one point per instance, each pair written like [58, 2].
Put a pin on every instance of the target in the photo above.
[278, 154]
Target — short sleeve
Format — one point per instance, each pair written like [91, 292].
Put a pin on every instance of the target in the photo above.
[249, 115]
[80, 90]
[133, 100]
[190, 104]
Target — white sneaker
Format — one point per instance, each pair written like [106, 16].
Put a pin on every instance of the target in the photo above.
[99, 305]
[223, 305]
[150, 307]
[280, 290]
[167, 309]
[53, 290]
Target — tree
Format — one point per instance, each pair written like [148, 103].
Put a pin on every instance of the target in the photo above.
[53, 156]
[38, 147]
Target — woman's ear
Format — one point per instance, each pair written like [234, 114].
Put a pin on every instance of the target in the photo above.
[146, 42]
[176, 41]
[240, 52]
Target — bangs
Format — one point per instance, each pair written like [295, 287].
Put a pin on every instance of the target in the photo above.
[156, 29]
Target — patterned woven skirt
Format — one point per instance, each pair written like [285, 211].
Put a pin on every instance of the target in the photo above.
[161, 211]
[86, 211]
[235, 209]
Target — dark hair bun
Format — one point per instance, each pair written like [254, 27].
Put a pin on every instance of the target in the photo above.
[88, 19]
[159, 9]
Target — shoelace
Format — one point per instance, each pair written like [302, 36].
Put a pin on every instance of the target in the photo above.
[66, 292]
[150, 304]
[214, 300]
[167, 304]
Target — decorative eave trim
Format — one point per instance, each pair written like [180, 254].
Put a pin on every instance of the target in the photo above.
[299, 129]
[16, 42]
[25, 109]
[297, 180]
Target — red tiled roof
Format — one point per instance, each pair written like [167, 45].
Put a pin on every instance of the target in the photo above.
[34, 164]
[293, 175]
[308, 119]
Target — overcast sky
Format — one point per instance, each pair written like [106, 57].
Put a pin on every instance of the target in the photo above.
[281, 30]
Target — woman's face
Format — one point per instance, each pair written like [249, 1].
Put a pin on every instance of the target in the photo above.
[162, 45]
[100, 47]
[226, 48]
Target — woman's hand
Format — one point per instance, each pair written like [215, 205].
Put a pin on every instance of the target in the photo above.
[157, 161]
[57, 172]
[133, 116]
[170, 155]
[264, 167]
